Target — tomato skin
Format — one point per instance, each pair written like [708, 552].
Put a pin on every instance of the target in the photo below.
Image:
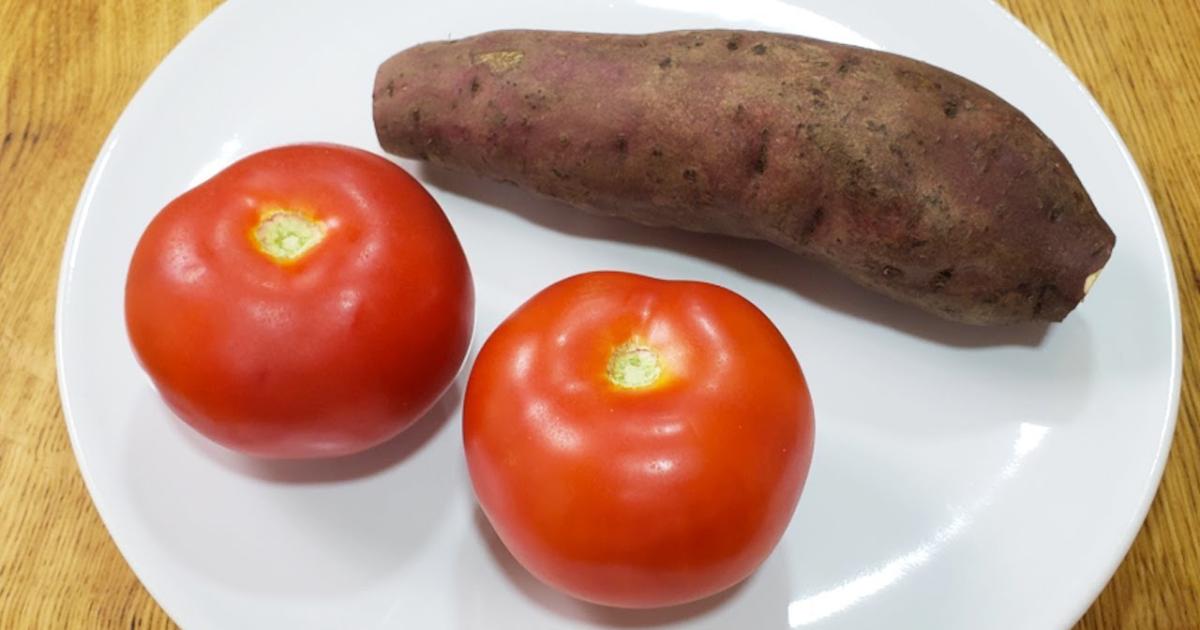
[638, 497]
[324, 355]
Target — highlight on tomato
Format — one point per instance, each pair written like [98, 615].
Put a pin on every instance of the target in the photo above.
[308, 301]
[638, 442]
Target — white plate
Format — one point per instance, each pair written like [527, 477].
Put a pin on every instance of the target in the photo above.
[963, 477]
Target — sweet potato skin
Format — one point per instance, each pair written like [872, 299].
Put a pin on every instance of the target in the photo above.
[909, 179]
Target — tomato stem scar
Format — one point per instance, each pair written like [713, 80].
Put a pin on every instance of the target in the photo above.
[634, 365]
[285, 235]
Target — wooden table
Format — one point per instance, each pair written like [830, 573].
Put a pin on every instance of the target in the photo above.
[69, 68]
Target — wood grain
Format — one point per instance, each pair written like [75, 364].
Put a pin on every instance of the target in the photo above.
[69, 68]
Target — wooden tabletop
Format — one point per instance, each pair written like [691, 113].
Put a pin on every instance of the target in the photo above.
[68, 69]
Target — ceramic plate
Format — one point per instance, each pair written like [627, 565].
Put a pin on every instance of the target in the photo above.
[963, 477]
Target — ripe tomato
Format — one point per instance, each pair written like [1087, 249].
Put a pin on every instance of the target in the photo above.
[308, 301]
[638, 442]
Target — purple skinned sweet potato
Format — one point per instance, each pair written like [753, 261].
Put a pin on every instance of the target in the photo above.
[909, 179]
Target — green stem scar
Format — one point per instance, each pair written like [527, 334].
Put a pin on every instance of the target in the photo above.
[286, 235]
[634, 365]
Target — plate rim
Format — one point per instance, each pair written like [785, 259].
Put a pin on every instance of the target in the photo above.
[1167, 436]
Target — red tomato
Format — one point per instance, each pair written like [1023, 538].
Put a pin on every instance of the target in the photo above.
[638, 442]
[308, 301]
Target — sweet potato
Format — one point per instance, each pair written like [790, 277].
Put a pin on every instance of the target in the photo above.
[909, 179]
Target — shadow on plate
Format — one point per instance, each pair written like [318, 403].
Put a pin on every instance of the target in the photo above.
[369, 462]
[302, 530]
[809, 280]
